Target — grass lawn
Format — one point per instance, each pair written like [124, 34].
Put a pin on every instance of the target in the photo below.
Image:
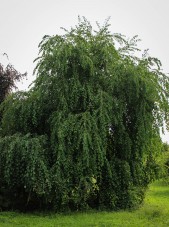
[154, 212]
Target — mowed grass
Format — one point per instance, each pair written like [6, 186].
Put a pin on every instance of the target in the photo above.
[154, 212]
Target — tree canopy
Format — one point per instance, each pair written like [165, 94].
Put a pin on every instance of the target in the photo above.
[86, 134]
[8, 77]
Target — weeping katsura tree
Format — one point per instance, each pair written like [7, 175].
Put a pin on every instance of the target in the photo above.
[99, 107]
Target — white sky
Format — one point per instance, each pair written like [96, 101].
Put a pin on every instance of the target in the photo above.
[23, 23]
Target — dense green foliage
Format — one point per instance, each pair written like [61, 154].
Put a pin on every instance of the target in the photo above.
[87, 133]
[165, 162]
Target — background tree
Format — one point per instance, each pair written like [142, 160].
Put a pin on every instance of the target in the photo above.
[8, 78]
[99, 109]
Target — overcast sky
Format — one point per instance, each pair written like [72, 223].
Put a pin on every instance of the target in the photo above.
[23, 23]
